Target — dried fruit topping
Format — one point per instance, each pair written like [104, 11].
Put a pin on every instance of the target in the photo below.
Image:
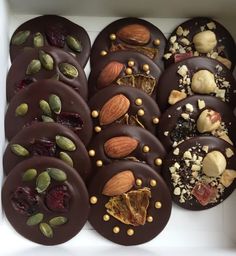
[24, 200]
[130, 208]
[43, 147]
[208, 121]
[56, 35]
[204, 193]
[71, 120]
[24, 83]
[182, 56]
[57, 198]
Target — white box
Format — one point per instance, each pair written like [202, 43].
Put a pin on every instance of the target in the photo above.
[210, 232]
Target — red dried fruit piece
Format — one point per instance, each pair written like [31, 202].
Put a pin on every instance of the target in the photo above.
[43, 147]
[71, 120]
[24, 200]
[57, 198]
[182, 56]
[24, 83]
[56, 36]
[204, 193]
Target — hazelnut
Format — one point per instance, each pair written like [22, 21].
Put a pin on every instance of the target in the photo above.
[224, 61]
[208, 121]
[203, 81]
[205, 41]
[176, 96]
[228, 177]
[214, 164]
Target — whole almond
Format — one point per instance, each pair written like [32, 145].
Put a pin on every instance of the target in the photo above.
[119, 183]
[109, 74]
[134, 34]
[118, 147]
[113, 109]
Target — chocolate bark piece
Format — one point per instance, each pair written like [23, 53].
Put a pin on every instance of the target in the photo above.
[47, 139]
[182, 42]
[125, 68]
[129, 34]
[51, 30]
[123, 214]
[50, 216]
[184, 172]
[128, 143]
[214, 79]
[122, 105]
[186, 119]
[44, 63]
[49, 101]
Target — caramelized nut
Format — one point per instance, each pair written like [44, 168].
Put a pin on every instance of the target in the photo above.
[208, 121]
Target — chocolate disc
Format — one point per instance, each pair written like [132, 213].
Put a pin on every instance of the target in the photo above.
[130, 203]
[129, 34]
[199, 75]
[122, 105]
[47, 139]
[55, 63]
[41, 198]
[48, 101]
[126, 142]
[191, 39]
[200, 172]
[55, 31]
[127, 69]
[195, 116]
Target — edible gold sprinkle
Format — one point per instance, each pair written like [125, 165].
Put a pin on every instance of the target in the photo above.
[155, 120]
[140, 112]
[158, 205]
[146, 149]
[138, 102]
[158, 161]
[106, 217]
[138, 182]
[93, 199]
[99, 163]
[103, 53]
[112, 37]
[131, 63]
[153, 183]
[116, 230]
[91, 152]
[149, 219]
[157, 42]
[128, 71]
[130, 232]
[94, 113]
[97, 128]
[145, 67]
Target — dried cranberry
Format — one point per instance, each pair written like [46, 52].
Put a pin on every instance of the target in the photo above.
[71, 120]
[24, 83]
[56, 36]
[57, 198]
[43, 147]
[24, 200]
[182, 56]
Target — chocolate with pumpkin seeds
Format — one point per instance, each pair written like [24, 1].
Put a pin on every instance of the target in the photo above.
[49, 101]
[51, 30]
[41, 198]
[47, 139]
[130, 203]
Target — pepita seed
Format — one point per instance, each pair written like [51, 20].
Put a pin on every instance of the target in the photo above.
[57, 221]
[73, 43]
[47, 119]
[43, 104]
[20, 37]
[35, 219]
[55, 103]
[18, 150]
[22, 109]
[29, 175]
[68, 70]
[46, 230]
[42, 182]
[66, 158]
[57, 174]
[65, 143]
[38, 40]
[33, 67]
[46, 60]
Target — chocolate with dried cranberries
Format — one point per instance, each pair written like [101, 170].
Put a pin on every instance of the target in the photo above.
[45, 200]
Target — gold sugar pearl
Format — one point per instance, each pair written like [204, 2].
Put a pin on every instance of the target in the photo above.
[155, 120]
[158, 161]
[130, 232]
[116, 230]
[106, 217]
[145, 67]
[158, 205]
[99, 163]
[97, 128]
[112, 37]
[103, 53]
[94, 113]
[140, 112]
[157, 42]
[138, 102]
[91, 152]
[93, 199]
[153, 183]
[131, 63]
[128, 71]
[146, 149]
[138, 182]
[149, 219]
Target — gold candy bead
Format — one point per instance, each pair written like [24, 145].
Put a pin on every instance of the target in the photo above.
[155, 120]
[158, 205]
[157, 42]
[149, 219]
[130, 232]
[153, 183]
[131, 63]
[138, 182]
[103, 53]
[146, 149]
[116, 230]
[91, 152]
[97, 128]
[106, 217]
[94, 113]
[93, 200]
[140, 112]
[158, 161]
[145, 67]
[128, 71]
[138, 102]
[112, 37]
[99, 163]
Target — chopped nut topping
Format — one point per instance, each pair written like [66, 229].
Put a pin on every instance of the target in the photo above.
[166, 133]
[185, 116]
[201, 104]
[228, 177]
[176, 96]
[173, 39]
[211, 25]
[186, 32]
[176, 151]
[185, 41]
[179, 31]
[189, 107]
[205, 148]
[183, 70]
[187, 154]
[177, 191]
[229, 152]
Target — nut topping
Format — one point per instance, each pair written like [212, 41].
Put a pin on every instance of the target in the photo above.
[176, 96]
[208, 121]
[228, 177]
[205, 41]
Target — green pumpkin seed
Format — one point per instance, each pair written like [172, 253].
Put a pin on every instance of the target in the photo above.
[38, 40]
[20, 37]
[66, 158]
[18, 150]
[65, 143]
[73, 43]
[29, 175]
[68, 70]
[42, 182]
[57, 174]
[46, 60]
[47, 119]
[22, 109]
[46, 230]
[43, 104]
[55, 103]
[35, 219]
[57, 221]
[33, 67]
